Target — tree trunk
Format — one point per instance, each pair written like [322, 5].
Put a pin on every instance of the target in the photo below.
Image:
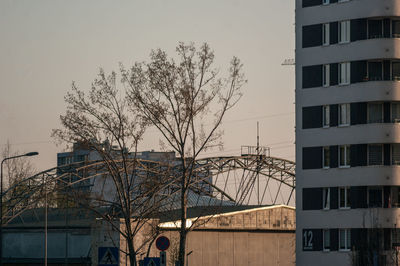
[183, 231]
[132, 253]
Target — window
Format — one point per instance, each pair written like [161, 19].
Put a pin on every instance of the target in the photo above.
[375, 154]
[375, 197]
[68, 160]
[344, 197]
[327, 240]
[344, 156]
[344, 73]
[395, 232]
[325, 76]
[326, 198]
[344, 239]
[395, 154]
[344, 114]
[375, 28]
[325, 157]
[396, 70]
[375, 113]
[396, 28]
[325, 33]
[325, 2]
[344, 31]
[394, 197]
[375, 70]
[396, 112]
[325, 116]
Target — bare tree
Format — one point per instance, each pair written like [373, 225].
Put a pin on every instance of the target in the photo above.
[101, 121]
[186, 101]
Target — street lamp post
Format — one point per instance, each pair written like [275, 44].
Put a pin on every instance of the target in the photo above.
[1, 198]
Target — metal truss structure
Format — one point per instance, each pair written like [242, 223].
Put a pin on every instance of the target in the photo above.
[235, 180]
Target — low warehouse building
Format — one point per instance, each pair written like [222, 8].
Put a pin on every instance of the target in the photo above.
[238, 236]
[256, 236]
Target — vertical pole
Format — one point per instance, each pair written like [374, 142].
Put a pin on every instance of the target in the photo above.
[1, 214]
[45, 221]
[258, 163]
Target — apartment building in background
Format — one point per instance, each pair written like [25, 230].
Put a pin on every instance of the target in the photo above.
[347, 132]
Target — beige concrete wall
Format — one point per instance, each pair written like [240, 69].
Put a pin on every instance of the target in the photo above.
[235, 248]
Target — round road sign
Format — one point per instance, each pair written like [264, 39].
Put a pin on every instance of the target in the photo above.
[162, 243]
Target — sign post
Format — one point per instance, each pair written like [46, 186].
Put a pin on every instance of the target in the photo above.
[162, 243]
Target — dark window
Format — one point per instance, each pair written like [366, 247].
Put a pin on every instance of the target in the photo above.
[358, 113]
[334, 74]
[375, 29]
[386, 70]
[312, 76]
[334, 239]
[312, 199]
[375, 197]
[358, 155]
[396, 70]
[358, 29]
[333, 152]
[386, 154]
[375, 70]
[334, 115]
[312, 35]
[375, 112]
[312, 157]
[396, 28]
[359, 197]
[375, 154]
[308, 3]
[312, 117]
[334, 204]
[333, 32]
[386, 112]
[386, 28]
[358, 71]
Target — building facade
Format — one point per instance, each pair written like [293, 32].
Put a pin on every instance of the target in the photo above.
[347, 132]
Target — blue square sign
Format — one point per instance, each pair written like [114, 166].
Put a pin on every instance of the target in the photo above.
[108, 256]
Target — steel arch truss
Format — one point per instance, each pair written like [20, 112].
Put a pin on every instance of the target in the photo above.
[234, 180]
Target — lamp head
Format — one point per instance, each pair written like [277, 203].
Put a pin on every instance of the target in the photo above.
[32, 153]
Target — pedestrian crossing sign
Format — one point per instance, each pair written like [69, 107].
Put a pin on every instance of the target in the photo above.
[108, 256]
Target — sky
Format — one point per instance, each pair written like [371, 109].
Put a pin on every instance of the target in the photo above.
[47, 44]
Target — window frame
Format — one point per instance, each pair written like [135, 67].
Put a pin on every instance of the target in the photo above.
[348, 117]
[326, 118]
[347, 239]
[347, 33]
[326, 33]
[325, 148]
[326, 79]
[326, 204]
[326, 234]
[347, 203]
[347, 73]
[346, 156]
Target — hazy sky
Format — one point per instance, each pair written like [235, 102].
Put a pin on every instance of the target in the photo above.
[45, 45]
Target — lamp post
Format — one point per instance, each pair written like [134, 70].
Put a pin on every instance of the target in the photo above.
[1, 198]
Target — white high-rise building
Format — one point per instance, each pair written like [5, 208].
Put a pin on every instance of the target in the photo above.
[347, 132]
